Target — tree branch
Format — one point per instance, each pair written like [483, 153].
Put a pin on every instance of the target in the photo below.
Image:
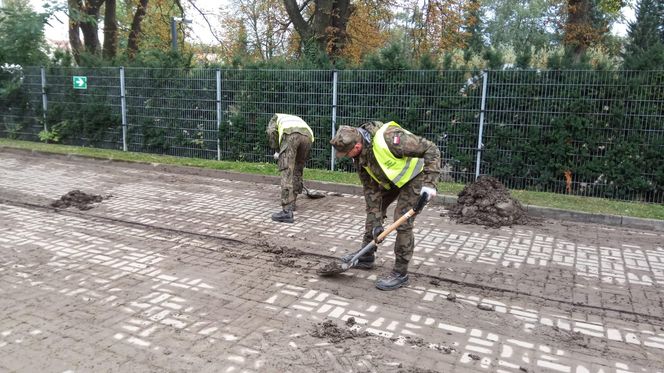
[206, 21]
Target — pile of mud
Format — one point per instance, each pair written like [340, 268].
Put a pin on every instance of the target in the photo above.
[78, 199]
[487, 202]
[328, 329]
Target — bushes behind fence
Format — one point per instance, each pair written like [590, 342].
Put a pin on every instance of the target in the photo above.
[596, 133]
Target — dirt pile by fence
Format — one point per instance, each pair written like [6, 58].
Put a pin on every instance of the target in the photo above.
[487, 202]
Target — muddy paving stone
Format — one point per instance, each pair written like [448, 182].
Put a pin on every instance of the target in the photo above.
[188, 273]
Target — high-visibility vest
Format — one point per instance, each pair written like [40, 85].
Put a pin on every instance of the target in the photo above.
[291, 121]
[398, 170]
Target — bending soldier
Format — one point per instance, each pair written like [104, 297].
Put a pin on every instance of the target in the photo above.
[291, 137]
[392, 164]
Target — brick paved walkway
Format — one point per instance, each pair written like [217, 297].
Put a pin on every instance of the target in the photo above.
[176, 272]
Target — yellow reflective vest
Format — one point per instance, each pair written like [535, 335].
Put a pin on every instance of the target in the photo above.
[398, 170]
[291, 121]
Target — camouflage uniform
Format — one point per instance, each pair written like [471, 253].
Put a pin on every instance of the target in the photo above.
[401, 144]
[293, 154]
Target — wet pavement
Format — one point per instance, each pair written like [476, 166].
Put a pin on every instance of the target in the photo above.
[179, 272]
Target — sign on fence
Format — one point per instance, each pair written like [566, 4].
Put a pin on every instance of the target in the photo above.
[80, 82]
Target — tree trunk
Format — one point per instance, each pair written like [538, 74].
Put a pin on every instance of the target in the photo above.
[74, 26]
[328, 26]
[110, 30]
[132, 41]
[90, 27]
[578, 28]
[337, 34]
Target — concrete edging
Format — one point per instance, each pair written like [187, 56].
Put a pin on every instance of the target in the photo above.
[445, 200]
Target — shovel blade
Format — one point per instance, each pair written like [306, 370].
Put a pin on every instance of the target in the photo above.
[315, 195]
[333, 268]
[312, 195]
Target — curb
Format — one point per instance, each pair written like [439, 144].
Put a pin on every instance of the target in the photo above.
[445, 200]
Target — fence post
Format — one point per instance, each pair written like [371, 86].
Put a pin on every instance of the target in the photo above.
[218, 113]
[123, 105]
[334, 115]
[480, 146]
[44, 98]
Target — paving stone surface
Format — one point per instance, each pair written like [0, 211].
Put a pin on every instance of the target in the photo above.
[175, 272]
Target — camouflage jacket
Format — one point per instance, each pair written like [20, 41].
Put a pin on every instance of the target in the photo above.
[273, 133]
[401, 144]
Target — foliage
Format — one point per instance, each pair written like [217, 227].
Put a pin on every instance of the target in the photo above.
[15, 106]
[586, 23]
[49, 136]
[523, 25]
[645, 49]
[443, 25]
[80, 119]
[540, 126]
[22, 34]
[367, 30]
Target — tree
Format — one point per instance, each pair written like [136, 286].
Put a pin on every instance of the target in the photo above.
[22, 34]
[322, 23]
[367, 30]
[645, 49]
[110, 30]
[257, 29]
[586, 23]
[135, 32]
[443, 25]
[84, 18]
[521, 24]
[474, 27]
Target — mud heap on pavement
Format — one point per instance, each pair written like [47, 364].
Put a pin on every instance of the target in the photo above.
[487, 202]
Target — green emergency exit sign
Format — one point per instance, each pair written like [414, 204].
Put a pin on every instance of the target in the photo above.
[80, 82]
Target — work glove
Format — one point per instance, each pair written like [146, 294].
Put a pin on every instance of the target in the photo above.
[276, 156]
[375, 232]
[431, 192]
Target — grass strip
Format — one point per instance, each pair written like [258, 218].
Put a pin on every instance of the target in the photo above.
[544, 199]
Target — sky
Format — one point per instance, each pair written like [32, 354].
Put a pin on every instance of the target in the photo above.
[199, 31]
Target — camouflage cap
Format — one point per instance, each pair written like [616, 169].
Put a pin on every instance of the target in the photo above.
[345, 138]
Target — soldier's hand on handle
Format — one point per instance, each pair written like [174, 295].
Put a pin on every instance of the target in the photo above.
[431, 192]
[375, 232]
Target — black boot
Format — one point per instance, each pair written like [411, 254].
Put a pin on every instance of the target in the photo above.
[284, 216]
[392, 281]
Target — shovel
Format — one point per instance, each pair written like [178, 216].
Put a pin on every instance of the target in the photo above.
[337, 267]
[312, 195]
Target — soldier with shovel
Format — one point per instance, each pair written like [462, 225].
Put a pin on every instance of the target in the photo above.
[393, 164]
[291, 137]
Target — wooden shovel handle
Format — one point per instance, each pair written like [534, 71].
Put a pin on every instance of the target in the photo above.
[394, 225]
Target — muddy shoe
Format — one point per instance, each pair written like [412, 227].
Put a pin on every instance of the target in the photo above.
[366, 261]
[393, 281]
[284, 216]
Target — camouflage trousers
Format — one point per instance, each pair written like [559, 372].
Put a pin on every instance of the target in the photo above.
[406, 198]
[293, 154]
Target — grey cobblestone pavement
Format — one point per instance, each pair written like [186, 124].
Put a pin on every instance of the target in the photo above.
[176, 272]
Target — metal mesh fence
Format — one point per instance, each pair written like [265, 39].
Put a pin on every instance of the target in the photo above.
[250, 98]
[592, 133]
[441, 105]
[20, 103]
[88, 116]
[171, 111]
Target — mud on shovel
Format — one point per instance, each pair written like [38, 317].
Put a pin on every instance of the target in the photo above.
[339, 266]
